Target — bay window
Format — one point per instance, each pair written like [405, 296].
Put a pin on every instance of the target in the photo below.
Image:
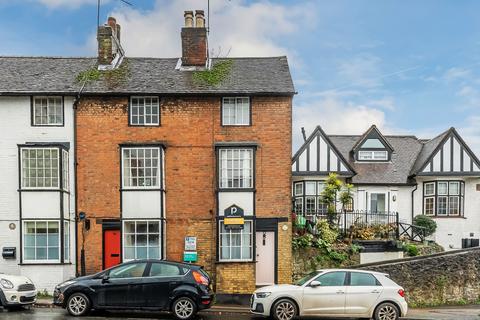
[40, 168]
[236, 168]
[236, 245]
[41, 241]
[141, 167]
[443, 198]
[141, 239]
[308, 199]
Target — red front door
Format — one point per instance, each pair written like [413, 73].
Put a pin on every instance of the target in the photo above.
[111, 243]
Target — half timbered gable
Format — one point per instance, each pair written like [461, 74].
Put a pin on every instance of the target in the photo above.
[319, 156]
[451, 156]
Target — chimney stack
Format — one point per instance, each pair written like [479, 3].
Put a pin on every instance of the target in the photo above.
[108, 36]
[194, 39]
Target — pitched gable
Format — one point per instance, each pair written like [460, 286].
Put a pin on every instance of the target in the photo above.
[447, 154]
[318, 156]
[372, 139]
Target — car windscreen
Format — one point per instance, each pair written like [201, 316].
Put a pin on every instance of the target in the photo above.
[302, 281]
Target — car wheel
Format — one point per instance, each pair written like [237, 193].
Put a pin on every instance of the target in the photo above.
[78, 304]
[284, 309]
[386, 311]
[184, 308]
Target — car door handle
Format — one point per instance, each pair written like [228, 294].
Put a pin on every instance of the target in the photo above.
[340, 292]
[375, 291]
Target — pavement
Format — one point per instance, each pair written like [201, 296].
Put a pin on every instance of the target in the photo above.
[44, 310]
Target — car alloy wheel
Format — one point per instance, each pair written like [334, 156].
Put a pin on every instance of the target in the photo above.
[184, 308]
[78, 304]
[386, 311]
[285, 310]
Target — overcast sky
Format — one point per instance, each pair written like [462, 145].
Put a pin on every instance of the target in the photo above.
[410, 67]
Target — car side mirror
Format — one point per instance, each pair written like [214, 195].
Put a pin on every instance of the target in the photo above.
[315, 284]
[105, 278]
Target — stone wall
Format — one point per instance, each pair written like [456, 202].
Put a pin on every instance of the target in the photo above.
[444, 278]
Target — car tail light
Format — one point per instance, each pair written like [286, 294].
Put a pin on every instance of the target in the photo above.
[401, 292]
[199, 278]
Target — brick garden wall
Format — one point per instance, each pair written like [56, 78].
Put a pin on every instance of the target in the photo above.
[189, 128]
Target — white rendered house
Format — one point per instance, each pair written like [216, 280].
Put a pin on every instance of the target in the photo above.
[439, 177]
[37, 225]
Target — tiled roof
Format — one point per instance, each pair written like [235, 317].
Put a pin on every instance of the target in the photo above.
[50, 75]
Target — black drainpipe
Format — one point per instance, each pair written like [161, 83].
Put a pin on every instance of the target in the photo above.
[413, 208]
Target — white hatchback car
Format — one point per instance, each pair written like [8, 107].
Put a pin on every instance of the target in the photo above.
[16, 291]
[333, 293]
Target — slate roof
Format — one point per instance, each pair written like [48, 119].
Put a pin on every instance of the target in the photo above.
[51, 75]
[405, 152]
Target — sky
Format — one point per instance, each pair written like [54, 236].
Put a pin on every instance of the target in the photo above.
[410, 67]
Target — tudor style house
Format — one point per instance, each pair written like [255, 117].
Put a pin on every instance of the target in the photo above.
[165, 155]
[37, 211]
[437, 177]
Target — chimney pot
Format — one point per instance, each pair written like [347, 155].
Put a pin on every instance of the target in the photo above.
[194, 40]
[199, 18]
[188, 19]
[112, 22]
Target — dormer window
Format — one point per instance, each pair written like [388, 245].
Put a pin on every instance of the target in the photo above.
[372, 147]
[372, 155]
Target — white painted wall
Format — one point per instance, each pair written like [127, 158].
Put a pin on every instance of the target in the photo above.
[370, 257]
[15, 128]
[451, 231]
[141, 204]
[244, 200]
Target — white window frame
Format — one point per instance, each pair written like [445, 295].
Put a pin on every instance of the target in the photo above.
[242, 233]
[372, 155]
[446, 205]
[36, 169]
[66, 241]
[425, 206]
[314, 198]
[228, 172]
[40, 261]
[154, 103]
[65, 170]
[299, 210]
[135, 234]
[295, 193]
[425, 189]
[239, 117]
[130, 176]
[49, 109]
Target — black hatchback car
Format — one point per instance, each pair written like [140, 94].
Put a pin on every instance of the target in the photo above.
[183, 289]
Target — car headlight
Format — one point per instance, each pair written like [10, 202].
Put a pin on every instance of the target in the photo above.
[7, 284]
[66, 283]
[261, 295]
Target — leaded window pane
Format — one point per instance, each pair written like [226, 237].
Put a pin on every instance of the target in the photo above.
[236, 168]
[236, 244]
[141, 240]
[141, 167]
[40, 167]
[41, 241]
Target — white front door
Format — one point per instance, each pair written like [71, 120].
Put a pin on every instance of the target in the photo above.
[265, 269]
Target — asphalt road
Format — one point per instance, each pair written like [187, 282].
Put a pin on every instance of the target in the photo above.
[60, 314]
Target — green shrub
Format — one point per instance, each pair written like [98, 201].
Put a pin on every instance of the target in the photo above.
[411, 249]
[428, 223]
[303, 241]
[326, 233]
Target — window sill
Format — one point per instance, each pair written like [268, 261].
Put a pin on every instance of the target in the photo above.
[447, 217]
[44, 263]
[234, 261]
[236, 190]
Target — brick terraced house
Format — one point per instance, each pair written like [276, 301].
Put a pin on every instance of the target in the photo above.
[163, 153]
[182, 159]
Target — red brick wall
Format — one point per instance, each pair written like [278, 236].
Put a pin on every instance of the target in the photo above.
[189, 127]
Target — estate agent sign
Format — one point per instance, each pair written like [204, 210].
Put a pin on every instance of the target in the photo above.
[234, 218]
